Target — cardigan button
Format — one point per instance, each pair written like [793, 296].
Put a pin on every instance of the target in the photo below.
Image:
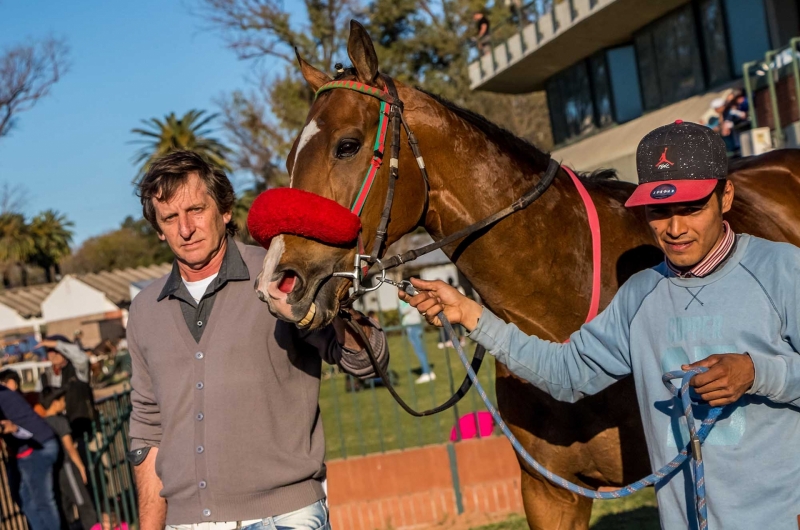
[202, 484]
[207, 513]
[199, 355]
[199, 385]
[200, 416]
[200, 449]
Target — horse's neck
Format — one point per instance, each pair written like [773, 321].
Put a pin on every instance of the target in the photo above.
[527, 265]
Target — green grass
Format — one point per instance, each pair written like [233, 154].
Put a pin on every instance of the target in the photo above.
[637, 512]
[370, 421]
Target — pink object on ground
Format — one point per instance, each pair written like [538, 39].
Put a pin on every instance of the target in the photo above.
[467, 425]
[99, 526]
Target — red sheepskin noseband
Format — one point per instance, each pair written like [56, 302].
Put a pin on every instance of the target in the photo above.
[301, 213]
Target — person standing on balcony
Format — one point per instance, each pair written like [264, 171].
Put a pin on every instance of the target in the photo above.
[225, 428]
[482, 39]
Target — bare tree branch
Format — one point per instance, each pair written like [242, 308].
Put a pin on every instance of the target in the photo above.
[27, 73]
[13, 199]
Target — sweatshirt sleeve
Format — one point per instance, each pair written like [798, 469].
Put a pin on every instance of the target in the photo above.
[597, 355]
[777, 377]
[78, 358]
[357, 363]
[145, 426]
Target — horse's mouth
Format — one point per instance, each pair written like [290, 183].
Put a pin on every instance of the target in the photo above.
[308, 305]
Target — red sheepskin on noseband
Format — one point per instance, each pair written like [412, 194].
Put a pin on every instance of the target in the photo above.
[301, 213]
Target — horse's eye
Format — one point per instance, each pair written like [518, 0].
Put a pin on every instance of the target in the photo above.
[347, 148]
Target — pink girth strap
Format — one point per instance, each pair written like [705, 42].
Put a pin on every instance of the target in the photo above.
[594, 227]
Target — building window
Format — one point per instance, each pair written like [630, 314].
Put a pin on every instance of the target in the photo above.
[670, 58]
[624, 83]
[604, 112]
[747, 28]
[715, 45]
[570, 100]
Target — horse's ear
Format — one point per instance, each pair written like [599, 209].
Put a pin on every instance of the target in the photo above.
[362, 53]
[315, 78]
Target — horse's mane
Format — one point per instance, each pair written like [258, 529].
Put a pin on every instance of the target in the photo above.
[518, 147]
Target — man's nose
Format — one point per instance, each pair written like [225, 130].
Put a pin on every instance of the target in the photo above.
[676, 227]
[186, 228]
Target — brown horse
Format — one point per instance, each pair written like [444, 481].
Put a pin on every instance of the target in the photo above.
[533, 268]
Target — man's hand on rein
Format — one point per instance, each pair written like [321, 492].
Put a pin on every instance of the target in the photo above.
[437, 296]
[729, 376]
[346, 336]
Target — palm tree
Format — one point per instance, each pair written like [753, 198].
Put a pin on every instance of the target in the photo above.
[189, 132]
[16, 243]
[52, 235]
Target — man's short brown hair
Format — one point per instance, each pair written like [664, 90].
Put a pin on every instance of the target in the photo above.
[170, 172]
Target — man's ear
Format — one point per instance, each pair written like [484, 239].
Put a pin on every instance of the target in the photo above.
[315, 78]
[727, 197]
[362, 53]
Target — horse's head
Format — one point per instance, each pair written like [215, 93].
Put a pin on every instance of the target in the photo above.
[331, 158]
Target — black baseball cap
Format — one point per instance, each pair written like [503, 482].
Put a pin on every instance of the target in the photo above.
[679, 162]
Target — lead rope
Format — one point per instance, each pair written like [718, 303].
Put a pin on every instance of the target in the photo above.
[696, 437]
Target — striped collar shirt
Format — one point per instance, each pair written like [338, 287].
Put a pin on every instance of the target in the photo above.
[712, 260]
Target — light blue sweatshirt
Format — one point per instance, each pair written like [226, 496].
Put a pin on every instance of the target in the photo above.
[656, 323]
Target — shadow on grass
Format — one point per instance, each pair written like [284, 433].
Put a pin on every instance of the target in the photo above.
[644, 518]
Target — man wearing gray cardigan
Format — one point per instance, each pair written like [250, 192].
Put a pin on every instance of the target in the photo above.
[225, 429]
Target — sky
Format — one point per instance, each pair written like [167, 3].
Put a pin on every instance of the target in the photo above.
[129, 61]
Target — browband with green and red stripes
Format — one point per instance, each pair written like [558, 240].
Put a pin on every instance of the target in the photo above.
[380, 137]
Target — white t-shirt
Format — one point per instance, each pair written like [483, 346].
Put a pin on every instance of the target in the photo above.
[198, 289]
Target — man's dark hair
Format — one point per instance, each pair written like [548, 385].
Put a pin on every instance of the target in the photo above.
[719, 190]
[10, 375]
[49, 395]
[171, 171]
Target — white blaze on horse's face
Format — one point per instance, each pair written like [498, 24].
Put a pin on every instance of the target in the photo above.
[308, 132]
[266, 288]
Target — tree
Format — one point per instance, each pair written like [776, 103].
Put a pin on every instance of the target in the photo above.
[52, 236]
[189, 132]
[16, 243]
[420, 42]
[27, 73]
[134, 244]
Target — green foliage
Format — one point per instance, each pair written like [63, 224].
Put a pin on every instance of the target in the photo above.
[52, 236]
[134, 244]
[189, 132]
[419, 42]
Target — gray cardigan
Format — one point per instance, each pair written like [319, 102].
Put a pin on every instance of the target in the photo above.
[235, 416]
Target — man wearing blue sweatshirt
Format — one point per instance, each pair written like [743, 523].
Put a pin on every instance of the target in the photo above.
[725, 301]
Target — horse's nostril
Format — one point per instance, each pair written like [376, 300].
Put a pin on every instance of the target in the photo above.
[261, 296]
[287, 282]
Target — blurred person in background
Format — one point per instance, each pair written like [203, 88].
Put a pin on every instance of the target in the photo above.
[71, 473]
[32, 455]
[482, 40]
[70, 371]
[412, 322]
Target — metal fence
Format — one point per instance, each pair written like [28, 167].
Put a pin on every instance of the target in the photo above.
[360, 417]
[110, 475]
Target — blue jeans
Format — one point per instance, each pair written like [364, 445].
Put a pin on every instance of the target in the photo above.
[36, 487]
[314, 517]
[415, 337]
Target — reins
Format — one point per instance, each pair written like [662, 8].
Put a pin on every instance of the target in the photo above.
[394, 116]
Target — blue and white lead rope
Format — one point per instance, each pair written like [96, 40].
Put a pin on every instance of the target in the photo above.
[697, 438]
